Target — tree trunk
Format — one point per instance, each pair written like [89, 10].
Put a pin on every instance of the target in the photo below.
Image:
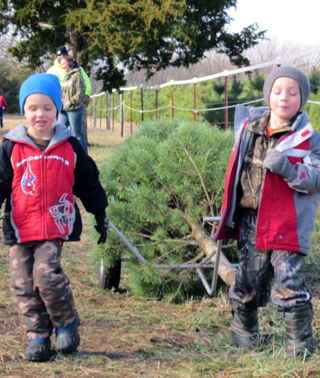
[226, 270]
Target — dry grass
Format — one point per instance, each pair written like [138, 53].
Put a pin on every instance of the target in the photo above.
[125, 336]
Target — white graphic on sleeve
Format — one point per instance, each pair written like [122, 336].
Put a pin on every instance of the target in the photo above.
[27, 182]
[63, 214]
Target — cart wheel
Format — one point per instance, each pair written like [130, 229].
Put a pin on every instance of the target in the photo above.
[109, 278]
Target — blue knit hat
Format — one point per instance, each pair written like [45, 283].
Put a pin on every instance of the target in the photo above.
[44, 83]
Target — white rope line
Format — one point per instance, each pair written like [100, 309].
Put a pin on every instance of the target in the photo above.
[220, 108]
[108, 110]
[314, 102]
[146, 111]
[186, 109]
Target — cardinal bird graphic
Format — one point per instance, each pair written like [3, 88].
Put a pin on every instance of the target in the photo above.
[27, 182]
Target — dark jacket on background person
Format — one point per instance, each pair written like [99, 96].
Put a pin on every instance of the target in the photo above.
[47, 210]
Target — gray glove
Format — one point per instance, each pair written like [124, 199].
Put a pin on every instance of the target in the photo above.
[278, 163]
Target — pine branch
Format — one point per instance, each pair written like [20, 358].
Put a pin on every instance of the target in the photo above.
[199, 174]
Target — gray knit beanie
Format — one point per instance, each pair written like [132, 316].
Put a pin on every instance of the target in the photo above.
[293, 73]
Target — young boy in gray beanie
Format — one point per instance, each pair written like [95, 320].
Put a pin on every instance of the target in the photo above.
[42, 169]
[271, 198]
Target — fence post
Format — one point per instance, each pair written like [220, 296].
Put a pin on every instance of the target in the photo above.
[95, 112]
[131, 114]
[157, 102]
[195, 102]
[100, 111]
[92, 112]
[121, 114]
[108, 112]
[141, 86]
[226, 98]
[113, 91]
[172, 101]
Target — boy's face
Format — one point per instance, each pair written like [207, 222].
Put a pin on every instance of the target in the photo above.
[285, 99]
[40, 113]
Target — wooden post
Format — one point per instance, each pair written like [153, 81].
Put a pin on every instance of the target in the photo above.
[95, 112]
[92, 112]
[100, 111]
[113, 110]
[156, 102]
[141, 86]
[226, 101]
[131, 114]
[172, 100]
[195, 102]
[121, 114]
[108, 106]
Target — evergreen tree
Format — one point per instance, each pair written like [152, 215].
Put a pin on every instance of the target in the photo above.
[147, 35]
[161, 183]
[314, 81]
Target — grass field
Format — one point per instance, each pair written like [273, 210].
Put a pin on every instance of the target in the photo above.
[126, 336]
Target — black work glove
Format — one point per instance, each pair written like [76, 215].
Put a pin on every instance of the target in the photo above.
[101, 226]
[278, 163]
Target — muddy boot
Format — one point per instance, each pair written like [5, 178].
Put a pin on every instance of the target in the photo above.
[68, 338]
[245, 328]
[300, 340]
[39, 349]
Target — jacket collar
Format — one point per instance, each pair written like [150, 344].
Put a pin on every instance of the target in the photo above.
[19, 134]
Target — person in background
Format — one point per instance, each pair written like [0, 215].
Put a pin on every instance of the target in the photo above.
[57, 70]
[73, 100]
[271, 199]
[3, 105]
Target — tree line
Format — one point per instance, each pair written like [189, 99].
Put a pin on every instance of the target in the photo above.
[149, 35]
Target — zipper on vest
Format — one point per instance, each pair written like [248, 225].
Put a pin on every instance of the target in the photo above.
[44, 196]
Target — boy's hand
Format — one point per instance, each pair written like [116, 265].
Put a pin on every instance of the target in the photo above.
[101, 226]
[278, 163]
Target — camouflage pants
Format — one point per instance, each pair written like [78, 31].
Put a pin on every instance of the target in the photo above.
[40, 287]
[266, 273]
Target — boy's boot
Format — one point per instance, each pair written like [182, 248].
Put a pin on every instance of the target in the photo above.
[300, 340]
[68, 338]
[39, 349]
[245, 328]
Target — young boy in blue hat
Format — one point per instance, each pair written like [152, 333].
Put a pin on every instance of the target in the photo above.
[42, 169]
[271, 199]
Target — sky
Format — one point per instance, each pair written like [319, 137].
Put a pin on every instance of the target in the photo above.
[286, 19]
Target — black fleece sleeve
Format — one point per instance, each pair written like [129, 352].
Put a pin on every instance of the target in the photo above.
[87, 185]
[6, 170]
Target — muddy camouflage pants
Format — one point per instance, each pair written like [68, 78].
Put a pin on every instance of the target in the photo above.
[40, 287]
[266, 273]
